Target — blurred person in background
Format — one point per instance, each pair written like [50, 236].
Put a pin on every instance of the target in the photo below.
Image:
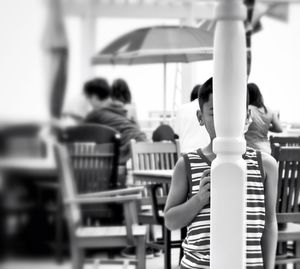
[191, 134]
[105, 111]
[109, 109]
[121, 96]
[263, 121]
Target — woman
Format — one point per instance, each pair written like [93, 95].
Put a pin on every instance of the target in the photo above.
[263, 120]
[121, 95]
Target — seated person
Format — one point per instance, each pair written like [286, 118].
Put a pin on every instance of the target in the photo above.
[106, 112]
[263, 121]
[121, 95]
[164, 132]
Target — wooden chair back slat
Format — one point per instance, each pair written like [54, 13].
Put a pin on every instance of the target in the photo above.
[285, 178]
[296, 178]
[172, 160]
[92, 163]
[160, 155]
[289, 179]
[292, 181]
[297, 191]
[282, 141]
[167, 161]
[279, 190]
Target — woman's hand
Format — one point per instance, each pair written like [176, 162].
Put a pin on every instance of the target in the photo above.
[204, 188]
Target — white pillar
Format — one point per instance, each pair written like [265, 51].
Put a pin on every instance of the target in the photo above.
[228, 186]
[88, 40]
[188, 69]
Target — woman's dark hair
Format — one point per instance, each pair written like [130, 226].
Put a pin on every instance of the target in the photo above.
[255, 96]
[120, 91]
[98, 87]
[204, 92]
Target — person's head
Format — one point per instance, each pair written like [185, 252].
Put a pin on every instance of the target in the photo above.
[194, 93]
[255, 96]
[120, 91]
[205, 114]
[204, 92]
[97, 91]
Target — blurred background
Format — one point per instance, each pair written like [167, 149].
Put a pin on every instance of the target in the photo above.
[25, 74]
[47, 49]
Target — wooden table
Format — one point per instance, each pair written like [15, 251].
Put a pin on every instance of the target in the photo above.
[152, 176]
[31, 165]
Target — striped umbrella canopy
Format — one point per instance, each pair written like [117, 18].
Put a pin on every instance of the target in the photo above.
[158, 44]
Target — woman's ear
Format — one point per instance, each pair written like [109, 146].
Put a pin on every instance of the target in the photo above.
[199, 117]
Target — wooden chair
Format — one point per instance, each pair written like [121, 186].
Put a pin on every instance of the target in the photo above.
[94, 133]
[102, 236]
[92, 172]
[288, 211]
[81, 141]
[156, 156]
[278, 141]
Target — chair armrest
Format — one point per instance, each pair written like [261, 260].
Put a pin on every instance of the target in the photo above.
[131, 190]
[288, 217]
[99, 200]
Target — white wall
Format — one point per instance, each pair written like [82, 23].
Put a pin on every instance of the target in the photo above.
[23, 92]
[276, 64]
[274, 68]
[22, 77]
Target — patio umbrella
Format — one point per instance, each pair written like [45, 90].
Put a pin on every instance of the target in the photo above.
[158, 44]
[255, 11]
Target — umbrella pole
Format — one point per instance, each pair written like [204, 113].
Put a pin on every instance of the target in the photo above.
[165, 93]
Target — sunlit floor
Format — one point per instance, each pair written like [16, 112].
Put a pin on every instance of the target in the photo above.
[47, 263]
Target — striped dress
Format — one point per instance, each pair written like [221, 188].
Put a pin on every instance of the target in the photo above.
[197, 242]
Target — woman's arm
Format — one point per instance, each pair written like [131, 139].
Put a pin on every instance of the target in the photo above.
[275, 124]
[269, 238]
[179, 211]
